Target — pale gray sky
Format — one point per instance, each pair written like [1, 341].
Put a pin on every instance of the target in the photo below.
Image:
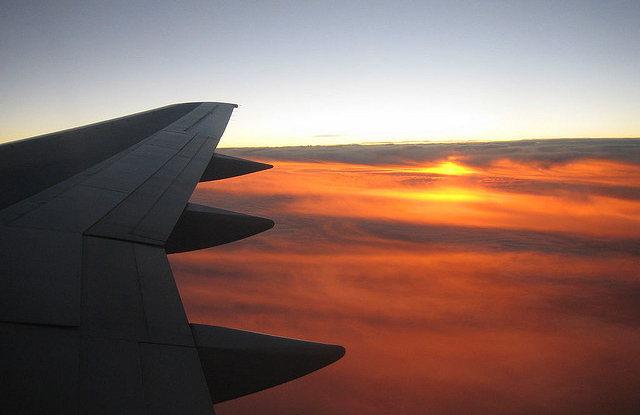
[322, 72]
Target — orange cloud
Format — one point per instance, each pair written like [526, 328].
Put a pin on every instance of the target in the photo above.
[507, 288]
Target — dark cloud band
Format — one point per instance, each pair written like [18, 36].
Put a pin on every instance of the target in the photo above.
[543, 152]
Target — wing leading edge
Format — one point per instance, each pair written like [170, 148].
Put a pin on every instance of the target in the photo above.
[91, 321]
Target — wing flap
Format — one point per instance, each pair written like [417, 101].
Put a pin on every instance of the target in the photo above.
[173, 380]
[40, 369]
[111, 368]
[41, 284]
[73, 211]
[112, 301]
[164, 314]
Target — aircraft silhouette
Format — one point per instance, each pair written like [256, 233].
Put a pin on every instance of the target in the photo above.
[91, 321]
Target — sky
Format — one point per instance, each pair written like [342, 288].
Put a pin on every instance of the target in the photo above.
[326, 72]
[485, 278]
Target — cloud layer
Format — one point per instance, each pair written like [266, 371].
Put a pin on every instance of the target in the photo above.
[542, 152]
[471, 278]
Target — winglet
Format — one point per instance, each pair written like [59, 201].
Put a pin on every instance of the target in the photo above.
[237, 363]
[223, 167]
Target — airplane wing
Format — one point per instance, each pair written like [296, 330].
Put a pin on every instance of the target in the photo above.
[91, 321]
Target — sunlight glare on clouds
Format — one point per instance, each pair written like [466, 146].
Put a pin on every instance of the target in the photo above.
[449, 168]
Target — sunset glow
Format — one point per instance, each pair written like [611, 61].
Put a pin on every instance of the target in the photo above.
[455, 288]
[448, 168]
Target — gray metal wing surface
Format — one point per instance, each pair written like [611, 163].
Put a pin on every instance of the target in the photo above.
[91, 321]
